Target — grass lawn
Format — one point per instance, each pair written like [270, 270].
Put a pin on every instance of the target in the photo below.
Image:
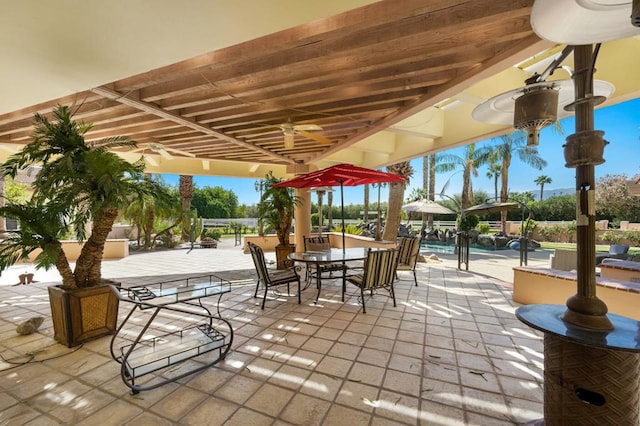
[572, 246]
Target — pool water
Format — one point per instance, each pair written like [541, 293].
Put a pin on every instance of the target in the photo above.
[433, 247]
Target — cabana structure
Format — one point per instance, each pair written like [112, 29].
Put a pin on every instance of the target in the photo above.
[244, 88]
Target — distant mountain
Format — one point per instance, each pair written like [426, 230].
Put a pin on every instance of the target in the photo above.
[554, 192]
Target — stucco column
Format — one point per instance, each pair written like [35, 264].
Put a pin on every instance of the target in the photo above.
[302, 216]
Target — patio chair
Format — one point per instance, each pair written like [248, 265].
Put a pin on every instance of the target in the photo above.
[408, 253]
[321, 243]
[271, 277]
[379, 272]
[616, 251]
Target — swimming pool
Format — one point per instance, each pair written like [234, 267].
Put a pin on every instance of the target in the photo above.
[434, 247]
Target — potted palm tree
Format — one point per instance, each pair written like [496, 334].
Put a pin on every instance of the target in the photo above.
[81, 185]
[276, 209]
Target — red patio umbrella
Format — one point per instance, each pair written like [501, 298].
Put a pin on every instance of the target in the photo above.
[341, 175]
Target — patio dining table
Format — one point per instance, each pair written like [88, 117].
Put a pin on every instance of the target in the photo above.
[320, 258]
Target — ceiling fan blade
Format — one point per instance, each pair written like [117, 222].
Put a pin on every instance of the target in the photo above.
[288, 141]
[179, 152]
[303, 127]
[165, 154]
[138, 149]
[150, 160]
[315, 137]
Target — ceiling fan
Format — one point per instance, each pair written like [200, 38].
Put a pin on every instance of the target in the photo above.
[290, 130]
[164, 151]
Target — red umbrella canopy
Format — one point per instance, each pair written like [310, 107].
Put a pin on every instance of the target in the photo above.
[341, 175]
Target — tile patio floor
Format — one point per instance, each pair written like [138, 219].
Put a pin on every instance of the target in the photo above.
[451, 353]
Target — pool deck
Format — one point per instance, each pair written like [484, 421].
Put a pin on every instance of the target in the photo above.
[450, 353]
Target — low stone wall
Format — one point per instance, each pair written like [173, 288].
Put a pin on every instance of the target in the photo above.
[266, 242]
[545, 285]
[350, 240]
[623, 270]
[113, 249]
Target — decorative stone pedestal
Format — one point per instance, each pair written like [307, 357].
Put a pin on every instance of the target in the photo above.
[590, 377]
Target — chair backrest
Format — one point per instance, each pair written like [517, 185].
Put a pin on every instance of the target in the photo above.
[618, 249]
[257, 254]
[408, 250]
[320, 243]
[380, 268]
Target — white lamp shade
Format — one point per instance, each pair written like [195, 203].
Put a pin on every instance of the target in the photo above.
[577, 22]
[499, 109]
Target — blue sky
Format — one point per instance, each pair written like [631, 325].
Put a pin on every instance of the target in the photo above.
[621, 124]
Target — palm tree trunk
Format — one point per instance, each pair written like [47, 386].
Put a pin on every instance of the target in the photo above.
[396, 195]
[64, 269]
[148, 229]
[88, 266]
[185, 188]
[432, 184]
[466, 178]
[425, 186]
[504, 192]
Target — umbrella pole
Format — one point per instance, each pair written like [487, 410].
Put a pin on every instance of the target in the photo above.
[320, 194]
[378, 221]
[342, 210]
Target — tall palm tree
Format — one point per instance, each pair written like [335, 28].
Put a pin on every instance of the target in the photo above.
[542, 180]
[80, 181]
[494, 171]
[469, 162]
[514, 144]
[396, 196]
[148, 212]
[432, 184]
[185, 189]
[428, 185]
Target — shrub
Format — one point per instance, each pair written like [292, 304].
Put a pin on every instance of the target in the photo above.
[570, 231]
[530, 225]
[611, 237]
[468, 222]
[483, 227]
[560, 233]
[545, 232]
[168, 240]
[633, 236]
[352, 229]
[212, 233]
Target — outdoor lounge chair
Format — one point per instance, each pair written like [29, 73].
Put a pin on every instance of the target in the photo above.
[271, 277]
[408, 253]
[616, 251]
[379, 272]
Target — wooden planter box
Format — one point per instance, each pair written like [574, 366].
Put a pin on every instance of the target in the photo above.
[82, 314]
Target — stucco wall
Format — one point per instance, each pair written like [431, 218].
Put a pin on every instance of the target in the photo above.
[113, 249]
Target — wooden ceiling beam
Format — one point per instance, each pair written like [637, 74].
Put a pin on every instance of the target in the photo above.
[525, 47]
[152, 109]
[336, 26]
[410, 41]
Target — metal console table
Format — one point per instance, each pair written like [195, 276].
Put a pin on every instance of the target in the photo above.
[146, 353]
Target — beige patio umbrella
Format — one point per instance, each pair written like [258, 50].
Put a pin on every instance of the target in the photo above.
[426, 206]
